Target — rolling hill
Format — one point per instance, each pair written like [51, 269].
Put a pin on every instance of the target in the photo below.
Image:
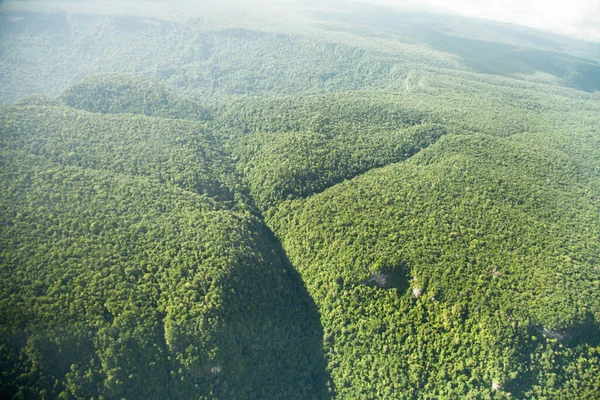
[366, 204]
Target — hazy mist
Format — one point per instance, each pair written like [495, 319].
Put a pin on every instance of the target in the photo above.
[578, 18]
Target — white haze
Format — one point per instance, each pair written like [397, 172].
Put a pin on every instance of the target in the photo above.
[577, 18]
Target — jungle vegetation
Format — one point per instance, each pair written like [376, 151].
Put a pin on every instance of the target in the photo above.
[381, 205]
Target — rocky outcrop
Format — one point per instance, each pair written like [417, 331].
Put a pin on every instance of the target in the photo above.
[380, 280]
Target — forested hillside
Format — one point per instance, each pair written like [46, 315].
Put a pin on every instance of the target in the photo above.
[169, 151]
[489, 256]
[368, 204]
[118, 94]
[115, 285]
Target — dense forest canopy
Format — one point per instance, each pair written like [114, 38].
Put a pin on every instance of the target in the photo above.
[295, 201]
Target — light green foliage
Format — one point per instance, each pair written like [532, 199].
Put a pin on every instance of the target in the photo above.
[298, 146]
[501, 241]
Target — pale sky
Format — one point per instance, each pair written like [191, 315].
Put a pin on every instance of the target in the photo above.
[579, 18]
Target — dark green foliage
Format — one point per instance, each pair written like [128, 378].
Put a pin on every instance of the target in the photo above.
[117, 287]
[175, 152]
[291, 165]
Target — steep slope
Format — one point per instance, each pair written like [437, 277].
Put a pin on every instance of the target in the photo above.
[117, 286]
[491, 247]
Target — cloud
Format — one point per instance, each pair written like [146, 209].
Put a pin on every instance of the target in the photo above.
[579, 18]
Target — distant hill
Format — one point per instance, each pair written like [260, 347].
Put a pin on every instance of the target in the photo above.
[116, 94]
[483, 46]
[364, 48]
